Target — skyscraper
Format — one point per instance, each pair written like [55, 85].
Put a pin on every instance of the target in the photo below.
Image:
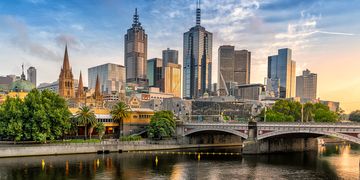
[154, 72]
[197, 54]
[66, 79]
[281, 69]
[111, 78]
[306, 85]
[169, 56]
[172, 79]
[31, 75]
[136, 53]
[234, 68]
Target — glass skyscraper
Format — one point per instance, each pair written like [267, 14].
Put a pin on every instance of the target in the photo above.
[154, 72]
[111, 78]
[281, 70]
[169, 56]
[197, 54]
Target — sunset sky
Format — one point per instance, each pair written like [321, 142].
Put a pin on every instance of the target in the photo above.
[323, 34]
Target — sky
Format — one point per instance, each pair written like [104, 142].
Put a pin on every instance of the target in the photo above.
[323, 34]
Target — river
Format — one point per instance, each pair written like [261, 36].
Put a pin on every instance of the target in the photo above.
[331, 162]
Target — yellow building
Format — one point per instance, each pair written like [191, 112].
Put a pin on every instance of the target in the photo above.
[138, 120]
[172, 84]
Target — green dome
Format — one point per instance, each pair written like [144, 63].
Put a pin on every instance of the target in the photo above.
[21, 86]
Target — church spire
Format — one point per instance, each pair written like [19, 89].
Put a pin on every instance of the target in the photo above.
[198, 13]
[66, 64]
[80, 87]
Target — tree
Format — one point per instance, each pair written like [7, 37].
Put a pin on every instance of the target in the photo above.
[162, 125]
[100, 129]
[308, 112]
[119, 112]
[322, 115]
[355, 116]
[46, 116]
[11, 119]
[86, 117]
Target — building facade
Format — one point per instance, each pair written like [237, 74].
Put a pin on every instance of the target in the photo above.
[172, 79]
[249, 91]
[169, 56]
[306, 85]
[281, 70]
[111, 76]
[154, 72]
[31, 75]
[136, 53]
[66, 79]
[234, 68]
[197, 54]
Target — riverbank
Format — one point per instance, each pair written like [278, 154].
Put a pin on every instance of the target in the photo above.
[87, 148]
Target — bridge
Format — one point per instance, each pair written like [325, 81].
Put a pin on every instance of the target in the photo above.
[265, 130]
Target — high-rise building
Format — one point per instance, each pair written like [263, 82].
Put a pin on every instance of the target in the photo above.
[136, 53]
[169, 56]
[31, 75]
[172, 79]
[234, 68]
[281, 70]
[111, 78]
[197, 54]
[154, 72]
[66, 79]
[306, 85]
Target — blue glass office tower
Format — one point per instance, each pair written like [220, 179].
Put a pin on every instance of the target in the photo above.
[281, 70]
[197, 54]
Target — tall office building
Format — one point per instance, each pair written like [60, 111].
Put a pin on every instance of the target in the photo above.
[281, 70]
[66, 79]
[31, 75]
[306, 85]
[197, 54]
[154, 72]
[234, 68]
[172, 79]
[169, 56]
[111, 78]
[136, 53]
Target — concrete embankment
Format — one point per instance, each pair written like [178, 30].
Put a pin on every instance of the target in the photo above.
[83, 148]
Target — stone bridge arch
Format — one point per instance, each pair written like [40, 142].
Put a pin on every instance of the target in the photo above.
[332, 134]
[231, 131]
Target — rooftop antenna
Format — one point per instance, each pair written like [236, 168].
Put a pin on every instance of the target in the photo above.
[198, 13]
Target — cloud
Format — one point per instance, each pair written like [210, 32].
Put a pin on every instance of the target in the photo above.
[22, 39]
[70, 40]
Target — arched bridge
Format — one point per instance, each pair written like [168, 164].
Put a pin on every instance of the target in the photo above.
[239, 129]
[262, 130]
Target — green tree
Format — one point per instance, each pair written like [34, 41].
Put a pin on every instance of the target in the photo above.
[355, 116]
[119, 112]
[162, 125]
[11, 119]
[274, 116]
[86, 117]
[100, 129]
[308, 112]
[47, 116]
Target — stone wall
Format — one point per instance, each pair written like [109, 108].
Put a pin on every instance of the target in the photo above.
[274, 145]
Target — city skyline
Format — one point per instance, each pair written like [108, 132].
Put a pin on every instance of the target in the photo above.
[310, 29]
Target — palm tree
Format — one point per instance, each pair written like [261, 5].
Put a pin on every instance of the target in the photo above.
[86, 117]
[119, 112]
[308, 112]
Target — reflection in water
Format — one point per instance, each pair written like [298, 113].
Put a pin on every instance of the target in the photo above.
[331, 162]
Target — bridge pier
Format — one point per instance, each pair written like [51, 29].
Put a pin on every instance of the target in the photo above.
[277, 145]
